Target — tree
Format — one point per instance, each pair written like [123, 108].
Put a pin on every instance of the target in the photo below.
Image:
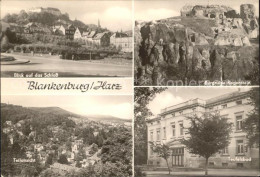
[163, 151]
[5, 44]
[142, 98]
[26, 128]
[49, 160]
[251, 123]
[63, 159]
[209, 134]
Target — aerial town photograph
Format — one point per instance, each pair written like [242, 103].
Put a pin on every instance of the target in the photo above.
[66, 136]
[66, 39]
[204, 42]
[196, 131]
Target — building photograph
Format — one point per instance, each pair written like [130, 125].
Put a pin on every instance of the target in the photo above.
[181, 118]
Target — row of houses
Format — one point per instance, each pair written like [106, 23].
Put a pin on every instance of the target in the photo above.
[122, 40]
[119, 39]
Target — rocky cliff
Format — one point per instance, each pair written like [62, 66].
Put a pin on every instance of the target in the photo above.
[178, 50]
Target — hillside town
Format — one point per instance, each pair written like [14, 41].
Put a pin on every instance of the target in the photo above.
[63, 29]
[60, 147]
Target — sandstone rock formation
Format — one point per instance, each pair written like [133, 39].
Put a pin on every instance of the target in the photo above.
[175, 49]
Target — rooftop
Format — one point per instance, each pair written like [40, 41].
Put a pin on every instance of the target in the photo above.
[205, 103]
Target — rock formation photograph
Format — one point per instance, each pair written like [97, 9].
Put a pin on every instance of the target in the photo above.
[208, 43]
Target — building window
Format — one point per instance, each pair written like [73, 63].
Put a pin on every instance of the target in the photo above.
[240, 165]
[225, 150]
[224, 106]
[151, 149]
[181, 128]
[173, 130]
[151, 136]
[239, 102]
[224, 116]
[164, 132]
[158, 135]
[176, 151]
[240, 147]
[181, 112]
[224, 164]
[238, 122]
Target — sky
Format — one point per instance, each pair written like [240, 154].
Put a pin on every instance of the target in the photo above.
[114, 15]
[160, 9]
[115, 105]
[173, 96]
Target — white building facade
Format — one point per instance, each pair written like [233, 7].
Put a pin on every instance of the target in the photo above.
[170, 126]
[123, 42]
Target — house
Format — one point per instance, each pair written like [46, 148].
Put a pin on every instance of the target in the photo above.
[169, 127]
[88, 36]
[45, 30]
[69, 32]
[9, 123]
[31, 28]
[95, 133]
[59, 29]
[70, 156]
[75, 148]
[29, 154]
[42, 156]
[122, 40]
[78, 33]
[38, 147]
[11, 138]
[102, 39]
[62, 168]
[87, 162]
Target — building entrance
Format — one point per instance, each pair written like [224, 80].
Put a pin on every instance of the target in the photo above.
[178, 157]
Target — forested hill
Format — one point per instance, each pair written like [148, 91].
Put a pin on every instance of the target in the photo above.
[16, 113]
[55, 110]
[107, 118]
[45, 18]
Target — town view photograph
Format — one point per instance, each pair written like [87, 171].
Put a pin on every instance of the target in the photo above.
[204, 42]
[66, 136]
[195, 131]
[66, 39]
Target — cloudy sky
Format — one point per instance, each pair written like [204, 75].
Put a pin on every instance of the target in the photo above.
[114, 15]
[159, 9]
[118, 106]
[175, 96]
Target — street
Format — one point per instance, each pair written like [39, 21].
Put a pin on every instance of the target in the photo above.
[64, 68]
[211, 172]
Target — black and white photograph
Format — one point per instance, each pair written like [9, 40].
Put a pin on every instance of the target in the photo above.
[129, 88]
[192, 131]
[66, 39]
[202, 42]
[66, 136]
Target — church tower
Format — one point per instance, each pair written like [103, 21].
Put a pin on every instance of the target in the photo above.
[99, 26]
